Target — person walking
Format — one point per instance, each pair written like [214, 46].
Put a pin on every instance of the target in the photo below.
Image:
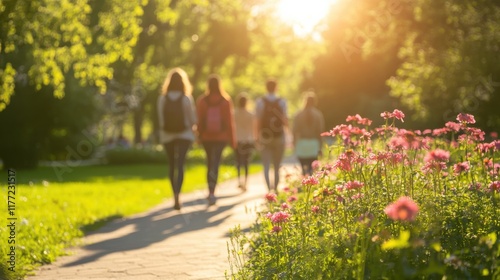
[216, 128]
[271, 113]
[245, 138]
[177, 119]
[308, 125]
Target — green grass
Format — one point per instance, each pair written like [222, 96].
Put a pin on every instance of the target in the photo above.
[52, 214]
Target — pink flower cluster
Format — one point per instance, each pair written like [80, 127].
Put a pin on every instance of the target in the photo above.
[349, 133]
[352, 185]
[271, 197]
[387, 157]
[466, 118]
[495, 186]
[404, 209]
[278, 217]
[486, 147]
[461, 167]
[397, 114]
[310, 181]
[359, 120]
[437, 155]
[407, 139]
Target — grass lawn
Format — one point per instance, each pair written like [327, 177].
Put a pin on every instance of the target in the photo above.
[52, 214]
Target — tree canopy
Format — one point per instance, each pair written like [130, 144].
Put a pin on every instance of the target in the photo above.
[431, 59]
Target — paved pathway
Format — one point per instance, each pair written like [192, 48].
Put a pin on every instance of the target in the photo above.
[163, 243]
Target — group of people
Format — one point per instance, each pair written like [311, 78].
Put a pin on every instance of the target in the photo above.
[215, 122]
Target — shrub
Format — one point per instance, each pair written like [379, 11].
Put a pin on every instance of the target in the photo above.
[387, 203]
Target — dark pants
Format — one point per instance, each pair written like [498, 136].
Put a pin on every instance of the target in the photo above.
[176, 154]
[306, 164]
[243, 152]
[213, 149]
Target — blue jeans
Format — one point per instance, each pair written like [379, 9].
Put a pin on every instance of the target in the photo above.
[213, 149]
[176, 154]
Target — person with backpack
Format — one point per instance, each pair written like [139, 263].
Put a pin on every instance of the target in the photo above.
[216, 128]
[271, 113]
[177, 119]
[308, 125]
[245, 138]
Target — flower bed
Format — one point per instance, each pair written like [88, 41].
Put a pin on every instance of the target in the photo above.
[388, 203]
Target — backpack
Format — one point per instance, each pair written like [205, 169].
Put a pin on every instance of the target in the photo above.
[173, 115]
[213, 120]
[271, 121]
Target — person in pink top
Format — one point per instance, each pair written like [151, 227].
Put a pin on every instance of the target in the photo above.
[216, 128]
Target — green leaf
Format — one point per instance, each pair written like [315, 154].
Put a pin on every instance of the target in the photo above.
[400, 243]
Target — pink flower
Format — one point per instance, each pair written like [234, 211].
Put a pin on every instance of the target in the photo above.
[292, 198]
[271, 197]
[359, 120]
[352, 185]
[398, 115]
[285, 206]
[439, 131]
[315, 164]
[276, 229]
[437, 155]
[494, 134]
[386, 115]
[433, 165]
[355, 118]
[466, 118]
[310, 180]
[475, 133]
[315, 209]
[495, 186]
[404, 209]
[461, 167]
[279, 217]
[453, 126]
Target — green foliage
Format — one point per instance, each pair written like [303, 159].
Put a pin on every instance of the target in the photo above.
[46, 39]
[450, 57]
[37, 126]
[386, 203]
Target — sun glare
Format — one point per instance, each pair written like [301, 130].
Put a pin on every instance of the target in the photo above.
[304, 16]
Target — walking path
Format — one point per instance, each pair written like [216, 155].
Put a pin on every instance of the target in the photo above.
[163, 243]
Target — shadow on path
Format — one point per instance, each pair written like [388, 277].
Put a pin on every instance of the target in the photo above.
[158, 225]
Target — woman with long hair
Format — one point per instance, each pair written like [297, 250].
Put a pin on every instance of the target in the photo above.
[215, 128]
[307, 128]
[177, 120]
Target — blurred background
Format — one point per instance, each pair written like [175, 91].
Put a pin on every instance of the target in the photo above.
[78, 77]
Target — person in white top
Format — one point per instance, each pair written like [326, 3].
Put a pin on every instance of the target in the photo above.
[245, 137]
[177, 119]
[271, 113]
[308, 125]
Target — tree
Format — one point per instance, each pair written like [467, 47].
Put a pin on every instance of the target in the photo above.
[43, 45]
[350, 76]
[451, 62]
